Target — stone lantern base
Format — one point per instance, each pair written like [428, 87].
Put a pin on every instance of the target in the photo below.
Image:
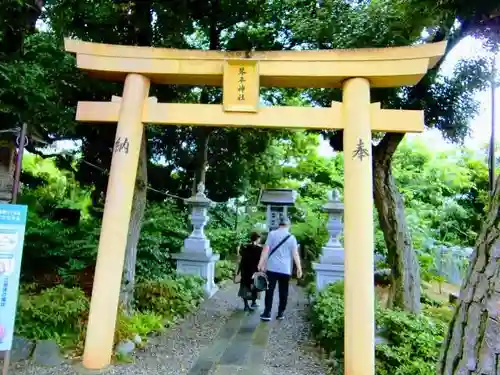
[327, 274]
[201, 265]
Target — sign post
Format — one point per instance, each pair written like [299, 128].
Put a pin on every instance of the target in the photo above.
[12, 227]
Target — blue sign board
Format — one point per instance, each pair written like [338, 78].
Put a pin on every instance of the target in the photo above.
[12, 226]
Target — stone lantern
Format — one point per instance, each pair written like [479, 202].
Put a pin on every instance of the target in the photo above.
[196, 257]
[277, 202]
[330, 267]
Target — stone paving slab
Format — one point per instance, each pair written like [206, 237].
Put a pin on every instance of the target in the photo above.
[211, 354]
[237, 350]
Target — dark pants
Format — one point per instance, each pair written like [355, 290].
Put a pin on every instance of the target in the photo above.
[283, 281]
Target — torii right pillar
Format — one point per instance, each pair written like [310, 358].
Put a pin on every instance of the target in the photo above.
[359, 294]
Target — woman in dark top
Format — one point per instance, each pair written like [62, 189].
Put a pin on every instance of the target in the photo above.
[250, 256]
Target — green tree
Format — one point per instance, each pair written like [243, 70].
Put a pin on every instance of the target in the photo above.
[445, 193]
[46, 187]
[228, 152]
[448, 102]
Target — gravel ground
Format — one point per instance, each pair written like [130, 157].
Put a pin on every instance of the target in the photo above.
[174, 353]
[289, 350]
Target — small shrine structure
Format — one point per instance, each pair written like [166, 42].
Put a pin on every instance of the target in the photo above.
[277, 202]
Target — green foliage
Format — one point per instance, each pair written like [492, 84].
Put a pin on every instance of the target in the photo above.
[311, 235]
[429, 301]
[225, 270]
[440, 279]
[228, 228]
[140, 323]
[169, 297]
[442, 313]
[310, 289]
[225, 241]
[37, 83]
[413, 341]
[163, 232]
[60, 313]
[435, 187]
[327, 320]
[124, 358]
[57, 313]
[47, 187]
[52, 247]
[427, 266]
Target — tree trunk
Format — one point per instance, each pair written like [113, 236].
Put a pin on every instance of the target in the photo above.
[405, 272]
[7, 169]
[134, 232]
[472, 346]
[201, 157]
[201, 161]
[141, 19]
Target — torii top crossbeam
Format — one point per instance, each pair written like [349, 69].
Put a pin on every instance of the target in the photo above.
[237, 71]
[383, 67]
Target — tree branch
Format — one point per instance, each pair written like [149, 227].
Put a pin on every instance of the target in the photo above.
[384, 151]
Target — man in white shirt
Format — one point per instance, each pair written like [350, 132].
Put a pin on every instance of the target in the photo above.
[279, 252]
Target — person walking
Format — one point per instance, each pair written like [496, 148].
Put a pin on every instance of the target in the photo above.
[250, 255]
[276, 259]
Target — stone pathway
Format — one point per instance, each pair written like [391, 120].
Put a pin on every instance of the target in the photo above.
[220, 339]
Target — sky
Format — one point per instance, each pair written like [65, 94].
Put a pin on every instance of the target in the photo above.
[480, 125]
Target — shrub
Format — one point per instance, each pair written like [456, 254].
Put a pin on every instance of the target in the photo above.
[224, 241]
[327, 319]
[60, 251]
[312, 236]
[169, 297]
[443, 313]
[310, 289]
[225, 270]
[51, 247]
[164, 229]
[140, 323]
[61, 313]
[426, 299]
[413, 341]
[57, 313]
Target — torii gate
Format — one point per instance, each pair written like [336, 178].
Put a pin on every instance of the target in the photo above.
[241, 74]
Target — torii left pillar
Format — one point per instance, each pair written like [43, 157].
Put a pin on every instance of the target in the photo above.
[114, 230]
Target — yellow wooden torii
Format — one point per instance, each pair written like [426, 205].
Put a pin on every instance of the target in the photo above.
[241, 74]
